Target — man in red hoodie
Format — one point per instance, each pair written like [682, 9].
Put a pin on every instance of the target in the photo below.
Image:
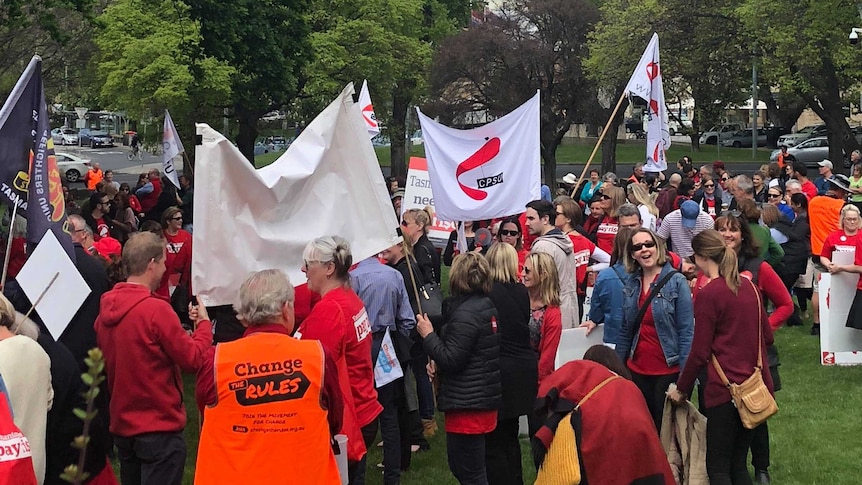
[145, 346]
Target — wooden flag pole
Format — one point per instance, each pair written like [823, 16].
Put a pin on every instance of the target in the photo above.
[599, 142]
[191, 167]
[8, 246]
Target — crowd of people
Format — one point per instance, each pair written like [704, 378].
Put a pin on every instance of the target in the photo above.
[697, 266]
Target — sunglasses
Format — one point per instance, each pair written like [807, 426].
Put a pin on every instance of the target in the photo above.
[773, 196]
[527, 270]
[638, 247]
[178, 218]
[404, 223]
[724, 179]
[605, 197]
[709, 185]
[505, 232]
[560, 214]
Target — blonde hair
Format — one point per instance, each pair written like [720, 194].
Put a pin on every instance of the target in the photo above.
[709, 244]
[640, 194]
[8, 315]
[844, 210]
[422, 217]
[503, 260]
[470, 273]
[547, 278]
[629, 262]
[618, 198]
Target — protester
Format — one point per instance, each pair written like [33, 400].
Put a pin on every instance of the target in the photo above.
[824, 214]
[511, 234]
[667, 195]
[124, 218]
[265, 308]
[397, 198]
[639, 196]
[94, 176]
[148, 194]
[518, 366]
[800, 173]
[97, 215]
[134, 203]
[768, 249]
[606, 304]
[384, 296]
[822, 182]
[415, 224]
[568, 217]
[451, 249]
[637, 173]
[855, 185]
[657, 319]
[553, 242]
[26, 371]
[758, 181]
[593, 184]
[775, 196]
[846, 238]
[145, 346]
[681, 225]
[465, 352]
[178, 273]
[797, 239]
[726, 331]
[706, 198]
[340, 322]
[612, 199]
[540, 279]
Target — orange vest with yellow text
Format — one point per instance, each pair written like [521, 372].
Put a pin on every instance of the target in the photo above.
[267, 425]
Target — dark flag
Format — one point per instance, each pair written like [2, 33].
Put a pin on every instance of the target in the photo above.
[28, 166]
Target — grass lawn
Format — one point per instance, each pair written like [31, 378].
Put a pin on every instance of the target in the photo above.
[814, 438]
[577, 151]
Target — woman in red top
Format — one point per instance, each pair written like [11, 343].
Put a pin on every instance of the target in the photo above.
[728, 315]
[568, 216]
[510, 233]
[178, 259]
[546, 326]
[341, 325]
[845, 238]
[612, 198]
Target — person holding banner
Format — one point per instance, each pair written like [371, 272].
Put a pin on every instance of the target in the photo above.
[340, 322]
[846, 238]
[465, 352]
[469, 234]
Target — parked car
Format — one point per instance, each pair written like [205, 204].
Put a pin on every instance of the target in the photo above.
[416, 139]
[810, 131]
[72, 167]
[101, 139]
[674, 128]
[64, 136]
[742, 139]
[810, 152]
[720, 132]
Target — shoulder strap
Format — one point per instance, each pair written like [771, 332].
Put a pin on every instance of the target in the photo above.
[596, 389]
[759, 366]
[655, 290]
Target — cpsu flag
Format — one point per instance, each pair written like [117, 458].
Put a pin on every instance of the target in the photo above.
[27, 161]
[485, 172]
[171, 147]
[646, 84]
[368, 111]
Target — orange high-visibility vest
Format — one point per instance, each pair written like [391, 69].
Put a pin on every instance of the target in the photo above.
[267, 425]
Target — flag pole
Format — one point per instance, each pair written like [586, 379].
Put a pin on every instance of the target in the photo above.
[599, 142]
[8, 245]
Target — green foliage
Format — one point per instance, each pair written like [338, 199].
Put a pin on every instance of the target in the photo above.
[143, 63]
[93, 378]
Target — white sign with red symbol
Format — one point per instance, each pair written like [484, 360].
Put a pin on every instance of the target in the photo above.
[418, 194]
[646, 83]
[368, 111]
[485, 172]
[839, 345]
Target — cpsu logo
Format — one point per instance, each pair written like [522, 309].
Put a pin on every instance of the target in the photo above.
[271, 388]
[483, 155]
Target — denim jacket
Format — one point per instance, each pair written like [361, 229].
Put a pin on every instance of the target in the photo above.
[672, 311]
[606, 304]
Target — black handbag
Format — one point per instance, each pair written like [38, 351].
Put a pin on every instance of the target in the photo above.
[431, 300]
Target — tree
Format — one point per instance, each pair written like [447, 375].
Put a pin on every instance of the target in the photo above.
[267, 45]
[498, 65]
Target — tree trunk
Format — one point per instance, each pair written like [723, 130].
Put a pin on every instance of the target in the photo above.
[609, 146]
[247, 133]
[784, 116]
[398, 132]
[549, 170]
[828, 106]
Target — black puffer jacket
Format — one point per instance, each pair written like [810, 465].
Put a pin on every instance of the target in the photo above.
[467, 349]
[797, 249]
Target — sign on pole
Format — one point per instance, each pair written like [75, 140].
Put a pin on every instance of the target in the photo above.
[81, 112]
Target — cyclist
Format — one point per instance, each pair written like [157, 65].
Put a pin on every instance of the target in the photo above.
[136, 146]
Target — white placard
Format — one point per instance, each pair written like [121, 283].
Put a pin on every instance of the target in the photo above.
[574, 342]
[65, 296]
[839, 345]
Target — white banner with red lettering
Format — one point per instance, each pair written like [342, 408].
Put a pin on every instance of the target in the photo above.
[367, 108]
[418, 195]
[646, 84]
[485, 172]
[328, 182]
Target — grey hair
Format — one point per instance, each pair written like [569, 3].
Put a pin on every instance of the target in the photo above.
[744, 183]
[628, 209]
[610, 177]
[792, 183]
[331, 249]
[675, 179]
[262, 297]
[19, 227]
[26, 327]
[78, 223]
[638, 165]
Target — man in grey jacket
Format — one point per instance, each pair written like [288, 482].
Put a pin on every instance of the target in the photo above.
[540, 222]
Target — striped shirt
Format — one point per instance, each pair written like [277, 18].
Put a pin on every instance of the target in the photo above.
[382, 291]
[680, 237]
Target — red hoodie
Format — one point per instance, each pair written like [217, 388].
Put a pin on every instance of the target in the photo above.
[145, 346]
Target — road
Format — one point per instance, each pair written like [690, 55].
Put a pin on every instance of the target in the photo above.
[125, 170]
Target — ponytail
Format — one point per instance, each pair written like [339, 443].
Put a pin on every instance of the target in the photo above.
[342, 258]
[728, 268]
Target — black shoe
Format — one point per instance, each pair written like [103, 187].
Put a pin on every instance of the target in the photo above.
[761, 477]
[815, 329]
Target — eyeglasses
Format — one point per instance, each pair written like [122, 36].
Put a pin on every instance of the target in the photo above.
[307, 264]
[605, 197]
[638, 247]
[506, 232]
[708, 185]
[773, 196]
[724, 179]
[178, 218]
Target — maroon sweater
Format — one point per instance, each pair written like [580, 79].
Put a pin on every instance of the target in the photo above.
[726, 325]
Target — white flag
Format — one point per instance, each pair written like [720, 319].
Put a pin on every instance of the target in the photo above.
[368, 111]
[486, 172]
[327, 183]
[646, 84]
[171, 147]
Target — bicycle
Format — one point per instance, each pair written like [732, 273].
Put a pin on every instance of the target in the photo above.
[136, 152]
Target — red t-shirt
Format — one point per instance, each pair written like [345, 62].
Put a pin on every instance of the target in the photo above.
[471, 422]
[648, 358]
[549, 340]
[341, 325]
[809, 189]
[842, 242]
[710, 207]
[607, 232]
[583, 249]
[178, 262]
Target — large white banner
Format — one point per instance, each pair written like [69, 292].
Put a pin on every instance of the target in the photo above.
[646, 83]
[328, 182]
[486, 172]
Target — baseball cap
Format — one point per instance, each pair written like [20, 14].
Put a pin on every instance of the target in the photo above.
[717, 164]
[570, 178]
[689, 210]
[825, 163]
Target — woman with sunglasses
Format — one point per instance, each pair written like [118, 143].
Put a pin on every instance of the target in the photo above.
[568, 217]
[706, 198]
[510, 233]
[775, 196]
[656, 335]
[178, 257]
[846, 237]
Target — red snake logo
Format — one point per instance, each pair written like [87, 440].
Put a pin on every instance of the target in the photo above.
[482, 156]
